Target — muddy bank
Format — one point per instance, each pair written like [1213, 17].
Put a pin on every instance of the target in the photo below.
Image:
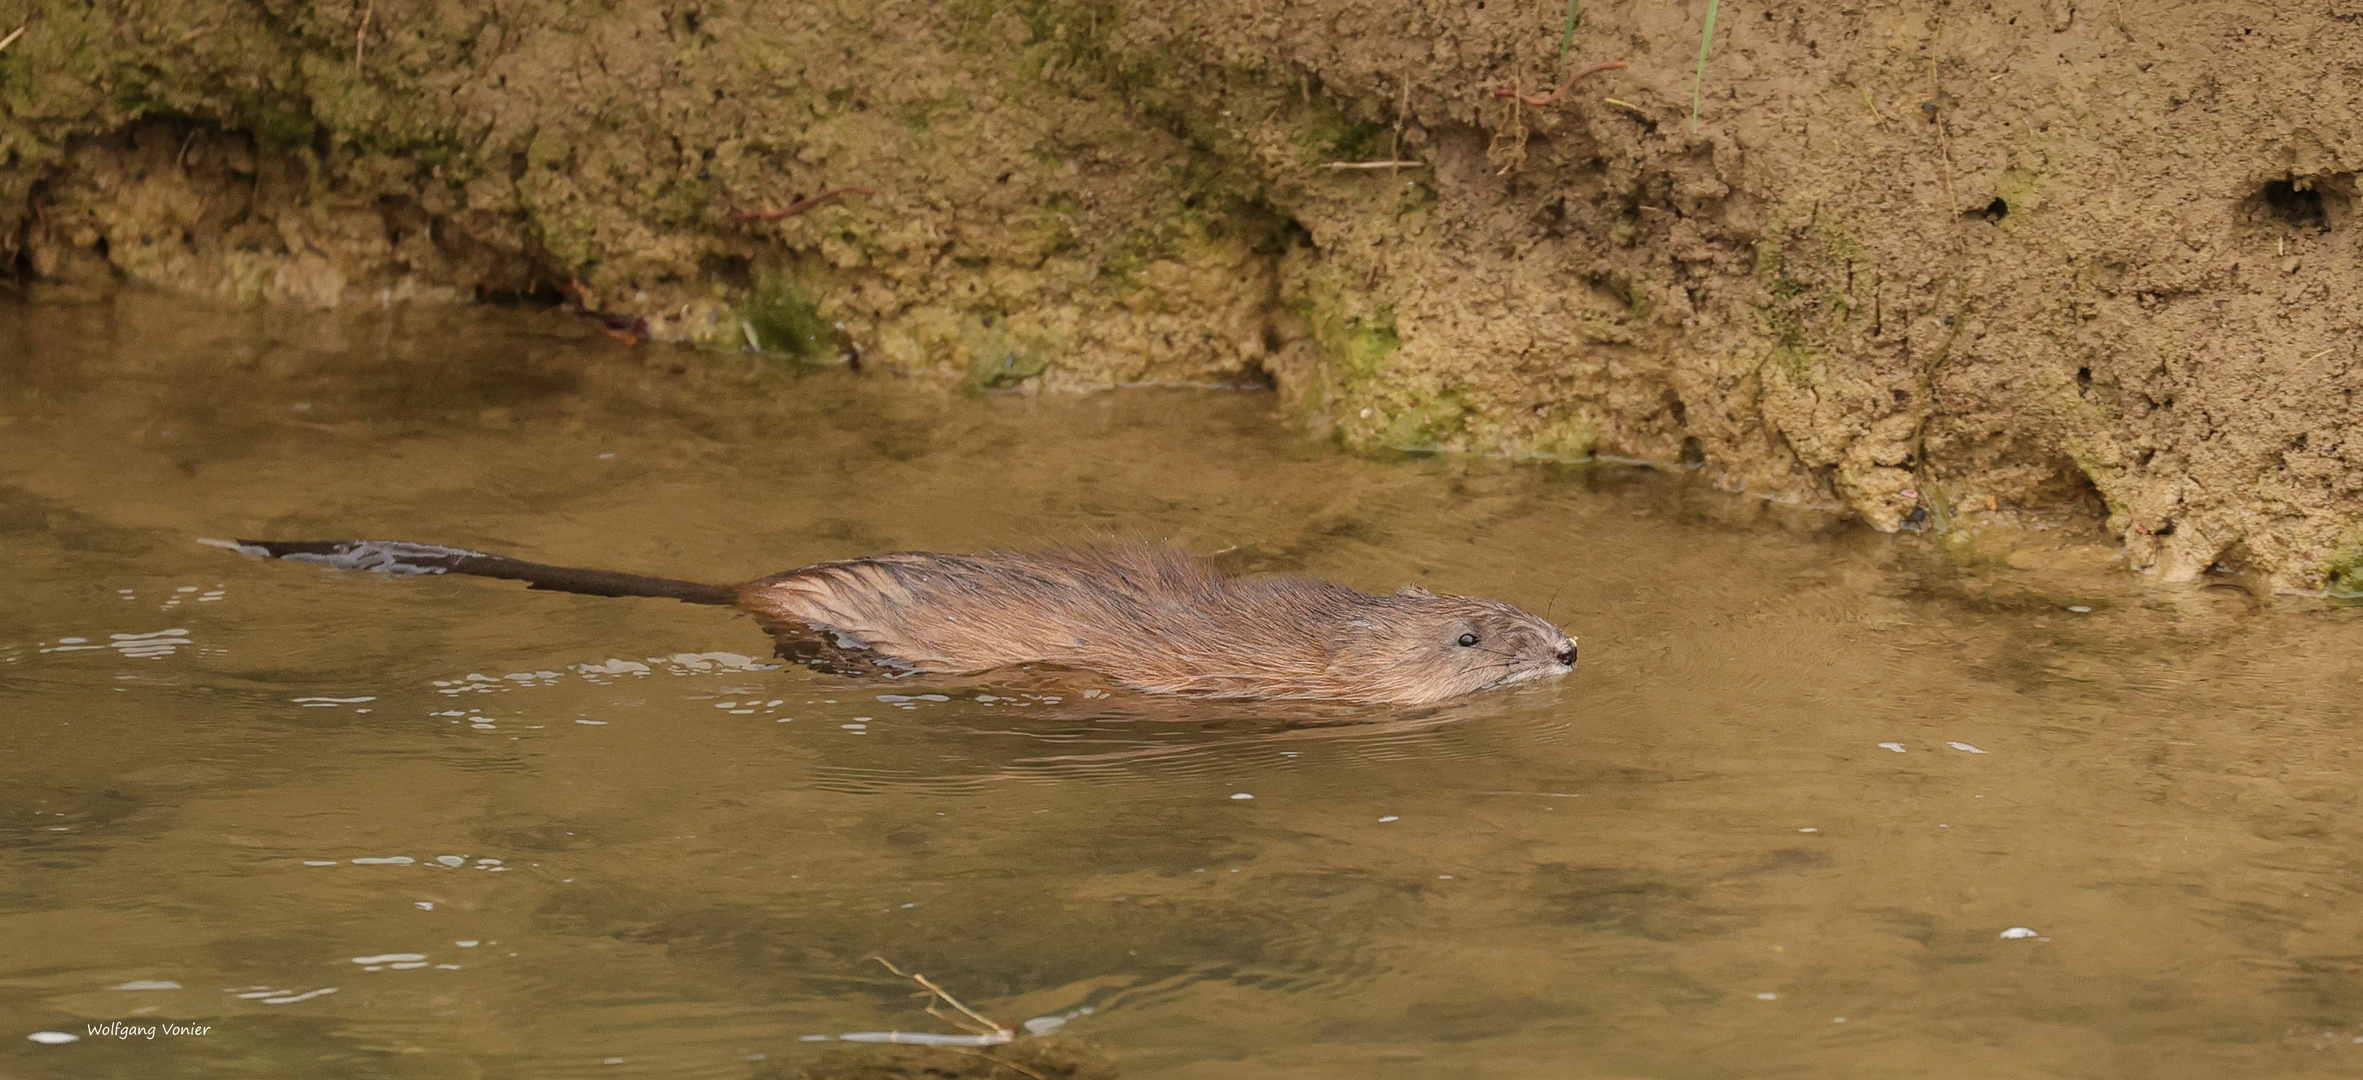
[1942, 264]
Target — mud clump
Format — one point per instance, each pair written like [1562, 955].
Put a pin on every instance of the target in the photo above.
[1935, 265]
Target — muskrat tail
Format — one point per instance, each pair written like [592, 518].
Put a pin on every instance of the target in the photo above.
[402, 558]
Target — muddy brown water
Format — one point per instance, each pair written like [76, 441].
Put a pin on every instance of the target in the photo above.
[1783, 822]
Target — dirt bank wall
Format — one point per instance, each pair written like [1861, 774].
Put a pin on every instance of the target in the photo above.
[1931, 261]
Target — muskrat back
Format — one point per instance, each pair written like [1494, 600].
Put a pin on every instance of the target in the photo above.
[1149, 616]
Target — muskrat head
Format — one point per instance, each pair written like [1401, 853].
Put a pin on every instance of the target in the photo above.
[1422, 647]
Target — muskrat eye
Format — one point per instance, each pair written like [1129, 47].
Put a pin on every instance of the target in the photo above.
[1468, 641]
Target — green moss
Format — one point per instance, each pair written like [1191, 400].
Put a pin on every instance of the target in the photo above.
[922, 114]
[1357, 346]
[2346, 573]
[1624, 229]
[1567, 440]
[1780, 317]
[2022, 194]
[1814, 282]
[1380, 409]
[997, 358]
[1005, 368]
[1425, 423]
[1128, 254]
[1061, 35]
[783, 318]
[1039, 236]
[281, 125]
[1189, 227]
[1333, 136]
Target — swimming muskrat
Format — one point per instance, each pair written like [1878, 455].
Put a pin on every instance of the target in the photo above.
[1146, 615]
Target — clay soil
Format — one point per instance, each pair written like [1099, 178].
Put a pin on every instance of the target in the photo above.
[1948, 265]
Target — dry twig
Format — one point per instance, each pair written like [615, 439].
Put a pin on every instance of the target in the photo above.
[985, 1025]
[12, 36]
[361, 36]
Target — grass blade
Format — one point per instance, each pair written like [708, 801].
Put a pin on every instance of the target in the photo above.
[1699, 80]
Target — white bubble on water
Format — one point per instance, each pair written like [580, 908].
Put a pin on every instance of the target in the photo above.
[290, 999]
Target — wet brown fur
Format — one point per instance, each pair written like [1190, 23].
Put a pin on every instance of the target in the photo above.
[1149, 616]
[1153, 617]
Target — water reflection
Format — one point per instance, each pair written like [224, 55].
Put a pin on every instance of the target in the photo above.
[1786, 818]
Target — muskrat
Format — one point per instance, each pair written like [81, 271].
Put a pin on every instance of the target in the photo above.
[1149, 616]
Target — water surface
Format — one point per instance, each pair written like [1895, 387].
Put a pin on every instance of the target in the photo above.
[1777, 825]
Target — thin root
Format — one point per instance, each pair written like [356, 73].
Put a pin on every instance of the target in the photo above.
[13, 35]
[1342, 166]
[1545, 99]
[791, 210]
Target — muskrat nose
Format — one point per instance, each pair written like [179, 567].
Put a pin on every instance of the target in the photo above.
[1566, 653]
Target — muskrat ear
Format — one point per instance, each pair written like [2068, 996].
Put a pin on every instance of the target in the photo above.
[1414, 590]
